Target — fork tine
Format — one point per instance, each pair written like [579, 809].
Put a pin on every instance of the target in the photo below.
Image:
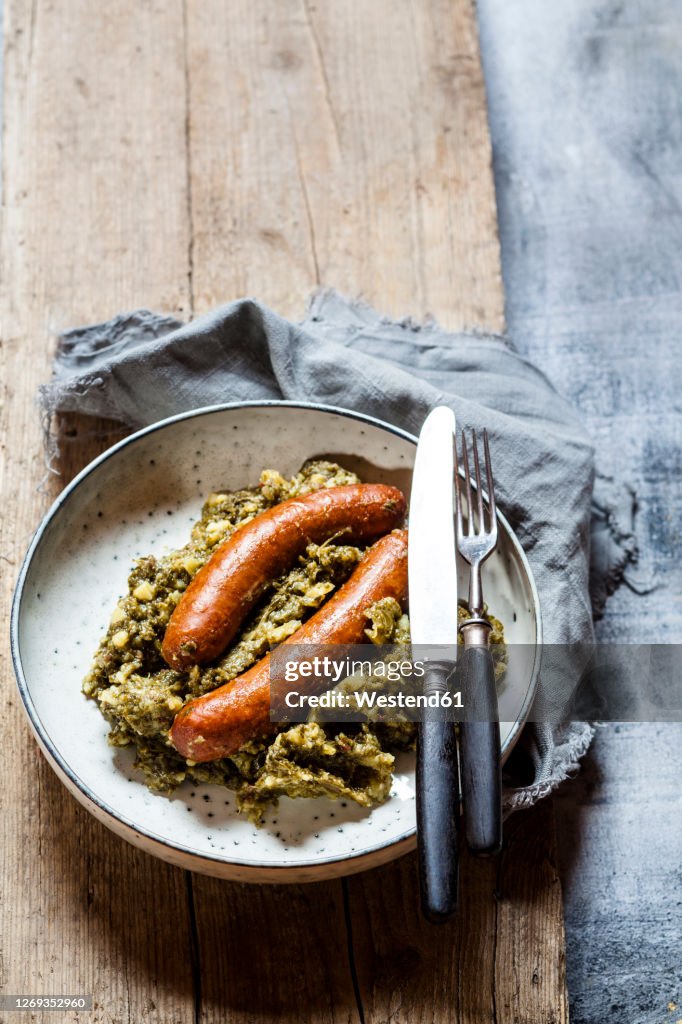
[492, 508]
[467, 481]
[458, 495]
[479, 492]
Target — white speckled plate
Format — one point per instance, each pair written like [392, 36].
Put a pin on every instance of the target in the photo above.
[141, 497]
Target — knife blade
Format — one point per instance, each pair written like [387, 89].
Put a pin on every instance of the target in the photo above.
[432, 580]
[431, 558]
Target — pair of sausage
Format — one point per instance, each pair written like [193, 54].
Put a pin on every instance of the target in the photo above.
[219, 723]
[224, 591]
[208, 616]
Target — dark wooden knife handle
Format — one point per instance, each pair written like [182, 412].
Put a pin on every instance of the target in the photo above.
[480, 753]
[437, 804]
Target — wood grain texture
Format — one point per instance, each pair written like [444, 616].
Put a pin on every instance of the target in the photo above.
[175, 155]
[273, 953]
[342, 144]
[530, 961]
[94, 220]
[411, 971]
[500, 960]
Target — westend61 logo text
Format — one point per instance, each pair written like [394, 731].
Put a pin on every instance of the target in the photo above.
[371, 700]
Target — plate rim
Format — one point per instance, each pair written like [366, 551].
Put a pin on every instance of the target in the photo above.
[55, 757]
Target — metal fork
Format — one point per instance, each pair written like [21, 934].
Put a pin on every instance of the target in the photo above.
[480, 729]
[476, 544]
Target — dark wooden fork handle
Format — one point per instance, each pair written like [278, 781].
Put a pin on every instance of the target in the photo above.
[437, 806]
[480, 753]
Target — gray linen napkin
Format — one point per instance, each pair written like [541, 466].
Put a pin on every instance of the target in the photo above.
[141, 367]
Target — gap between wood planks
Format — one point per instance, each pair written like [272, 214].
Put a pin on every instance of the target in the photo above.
[195, 945]
[188, 161]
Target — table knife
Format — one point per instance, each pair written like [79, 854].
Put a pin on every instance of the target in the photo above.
[432, 573]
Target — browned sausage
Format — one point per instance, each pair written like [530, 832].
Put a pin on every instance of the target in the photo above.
[228, 586]
[219, 723]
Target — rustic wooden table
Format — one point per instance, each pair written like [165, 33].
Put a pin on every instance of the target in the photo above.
[175, 155]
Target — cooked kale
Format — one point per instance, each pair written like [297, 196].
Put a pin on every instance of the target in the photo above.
[139, 695]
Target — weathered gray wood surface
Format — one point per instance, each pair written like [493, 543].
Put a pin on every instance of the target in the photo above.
[585, 103]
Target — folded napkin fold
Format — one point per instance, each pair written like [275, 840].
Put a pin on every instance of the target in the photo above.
[141, 367]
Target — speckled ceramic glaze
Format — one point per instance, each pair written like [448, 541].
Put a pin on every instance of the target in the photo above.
[141, 497]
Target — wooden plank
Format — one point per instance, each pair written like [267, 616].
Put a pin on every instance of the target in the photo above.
[530, 959]
[500, 960]
[271, 953]
[94, 220]
[346, 144]
[411, 971]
